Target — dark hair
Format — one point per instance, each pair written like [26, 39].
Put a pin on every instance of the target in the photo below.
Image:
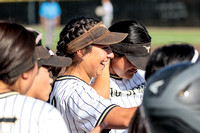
[137, 124]
[137, 33]
[166, 55]
[73, 29]
[16, 45]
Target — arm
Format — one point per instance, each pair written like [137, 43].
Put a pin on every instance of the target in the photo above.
[99, 128]
[102, 83]
[119, 118]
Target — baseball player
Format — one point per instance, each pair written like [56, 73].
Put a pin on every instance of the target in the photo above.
[47, 60]
[87, 41]
[162, 57]
[127, 84]
[41, 87]
[19, 113]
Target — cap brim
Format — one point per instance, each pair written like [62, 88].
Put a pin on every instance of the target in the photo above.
[111, 38]
[139, 61]
[55, 61]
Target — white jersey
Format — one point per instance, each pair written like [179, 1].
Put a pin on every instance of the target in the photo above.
[80, 105]
[22, 114]
[127, 93]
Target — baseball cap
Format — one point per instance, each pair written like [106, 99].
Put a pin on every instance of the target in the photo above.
[45, 56]
[137, 54]
[172, 96]
[136, 46]
[99, 35]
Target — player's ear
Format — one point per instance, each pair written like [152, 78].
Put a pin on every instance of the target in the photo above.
[32, 72]
[25, 75]
[80, 53]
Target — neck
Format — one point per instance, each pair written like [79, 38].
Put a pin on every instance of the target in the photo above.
[78, 72]
[5, 87]
[111, 69]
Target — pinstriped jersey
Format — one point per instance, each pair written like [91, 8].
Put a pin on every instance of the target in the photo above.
[80, 105]
[22, 114]
[127, 93]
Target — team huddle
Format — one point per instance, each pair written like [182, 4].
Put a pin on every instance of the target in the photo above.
[100, 80]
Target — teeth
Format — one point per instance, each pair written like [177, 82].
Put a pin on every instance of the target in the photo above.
[104, 63]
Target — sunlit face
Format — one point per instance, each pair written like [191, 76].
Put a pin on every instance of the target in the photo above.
[95, 61]
[41, 87]
[122, 67]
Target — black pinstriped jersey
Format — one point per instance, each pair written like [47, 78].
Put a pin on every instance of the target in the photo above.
[80, 105]
[127, 93]
[22, 114]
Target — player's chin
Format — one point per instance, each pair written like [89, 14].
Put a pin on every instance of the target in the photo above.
[99, 73]
[128, 75]
[45, 98]
[47, 93]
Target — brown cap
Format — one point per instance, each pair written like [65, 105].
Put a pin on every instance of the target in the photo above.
[137, 54]
[46, 57]
[98, 34]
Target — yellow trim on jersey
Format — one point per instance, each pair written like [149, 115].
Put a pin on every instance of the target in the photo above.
[2, 95]
[64, 77]
[115, 76]
[104, 114]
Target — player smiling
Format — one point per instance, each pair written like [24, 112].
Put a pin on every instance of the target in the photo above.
[88, 42]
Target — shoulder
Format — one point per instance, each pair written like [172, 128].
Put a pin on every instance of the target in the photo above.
[141, 72]
[38, 104]
[35, 107]
[70, 81]
[65, 86]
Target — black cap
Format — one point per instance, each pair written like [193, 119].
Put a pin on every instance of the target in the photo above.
[137, 54]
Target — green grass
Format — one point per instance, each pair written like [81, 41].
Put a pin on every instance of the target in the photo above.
[164, 36]
[56, 34]
[160, 35]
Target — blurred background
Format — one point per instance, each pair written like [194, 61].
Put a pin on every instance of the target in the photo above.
[167, 21]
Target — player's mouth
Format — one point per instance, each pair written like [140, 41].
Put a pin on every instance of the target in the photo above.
[132, 71]
[104, 63]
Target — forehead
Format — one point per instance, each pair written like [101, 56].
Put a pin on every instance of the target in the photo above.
[120, 59]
